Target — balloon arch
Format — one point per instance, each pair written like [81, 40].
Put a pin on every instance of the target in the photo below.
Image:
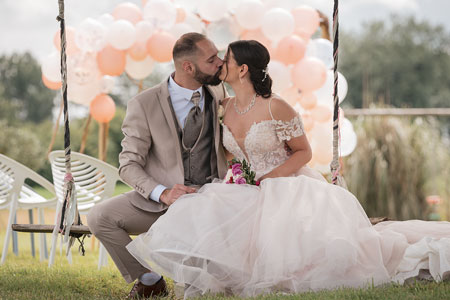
[134, 39]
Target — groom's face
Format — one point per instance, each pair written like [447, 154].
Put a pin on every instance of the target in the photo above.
[207, 64]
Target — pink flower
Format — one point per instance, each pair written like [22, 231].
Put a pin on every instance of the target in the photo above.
[433, 199]
[257, 183]
[236, 169]
[241, 180]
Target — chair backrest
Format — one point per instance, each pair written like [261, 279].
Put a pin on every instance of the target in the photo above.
[94, 179]
[12, 179]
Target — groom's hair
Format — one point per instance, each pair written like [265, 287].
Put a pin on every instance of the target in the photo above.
[186, 45]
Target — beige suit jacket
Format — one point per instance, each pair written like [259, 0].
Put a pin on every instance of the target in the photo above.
[151, 152]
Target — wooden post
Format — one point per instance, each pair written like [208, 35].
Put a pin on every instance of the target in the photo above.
[85, 133]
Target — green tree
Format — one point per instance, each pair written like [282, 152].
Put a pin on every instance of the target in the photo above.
[403, 63]
[23, 96]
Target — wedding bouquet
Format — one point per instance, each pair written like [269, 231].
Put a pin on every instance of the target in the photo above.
[239, 172]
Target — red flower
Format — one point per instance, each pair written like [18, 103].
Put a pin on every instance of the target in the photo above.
[257, 182]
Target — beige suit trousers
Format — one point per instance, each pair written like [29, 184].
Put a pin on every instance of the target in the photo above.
[112, 221]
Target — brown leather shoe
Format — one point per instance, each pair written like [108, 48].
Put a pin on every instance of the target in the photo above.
[142, 291]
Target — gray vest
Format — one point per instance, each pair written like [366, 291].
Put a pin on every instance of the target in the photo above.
[200, 162]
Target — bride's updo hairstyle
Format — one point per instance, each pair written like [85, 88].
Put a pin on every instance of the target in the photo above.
[256, 57]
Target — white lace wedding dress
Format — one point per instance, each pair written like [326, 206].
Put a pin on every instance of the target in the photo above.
[291, 234]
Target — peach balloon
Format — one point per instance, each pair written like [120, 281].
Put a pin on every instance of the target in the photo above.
[51, 84]
[291, 95]
[181, 15]
[111, 61]
[321, 113]
[307, 19]
[138, 51]
[309, 74]
[308, 121]
[290, 49]
[323, 155]
[71, 47]
[308, 100]
[259, 36]
[160, 46]
[102, 108]
[127, 11]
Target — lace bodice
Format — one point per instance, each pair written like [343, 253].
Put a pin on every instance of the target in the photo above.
[264, 145]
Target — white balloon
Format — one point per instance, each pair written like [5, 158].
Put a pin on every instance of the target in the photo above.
[82, 69]
[321, 49]
[280, 74]
[325, 93]
[107, 84]
[121, 34]
[163, 70]
[189, 5]
[83, 78]
[223, 32]
[179, 29]
[161, 14]
[349, 140]
[144, 30]
[212, 10]
[139, 69]
[195, 22]
[249, 14]
[277, 23]
[51, 67]
[106, 19]
[90, 35]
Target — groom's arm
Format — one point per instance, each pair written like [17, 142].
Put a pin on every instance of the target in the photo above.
[136, 144]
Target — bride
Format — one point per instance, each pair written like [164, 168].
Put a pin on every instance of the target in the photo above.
[293, 233]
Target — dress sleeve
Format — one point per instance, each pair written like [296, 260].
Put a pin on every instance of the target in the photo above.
[289, 129]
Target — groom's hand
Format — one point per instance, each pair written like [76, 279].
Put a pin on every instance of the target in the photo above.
[169, 196]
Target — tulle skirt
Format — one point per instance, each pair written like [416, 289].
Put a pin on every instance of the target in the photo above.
[291, 234]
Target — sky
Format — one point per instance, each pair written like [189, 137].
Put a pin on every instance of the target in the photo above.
[29, 25]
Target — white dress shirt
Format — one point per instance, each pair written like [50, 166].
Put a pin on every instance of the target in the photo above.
[182, 104]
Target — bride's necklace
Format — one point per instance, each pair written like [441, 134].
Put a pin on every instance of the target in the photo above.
[247, 108]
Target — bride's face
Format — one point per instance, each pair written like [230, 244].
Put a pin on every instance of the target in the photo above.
[230, 68]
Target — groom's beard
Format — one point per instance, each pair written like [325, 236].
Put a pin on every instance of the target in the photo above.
[207, 79]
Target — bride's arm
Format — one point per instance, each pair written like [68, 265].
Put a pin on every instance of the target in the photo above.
[296, 140]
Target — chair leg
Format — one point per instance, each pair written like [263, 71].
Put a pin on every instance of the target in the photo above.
[42, 242]
[30, 216]
[102, 257]
[51, 259]
[12, 213]
[15, 238]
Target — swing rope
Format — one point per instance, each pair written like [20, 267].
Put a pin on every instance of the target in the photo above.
[336, 179]
[69, 213]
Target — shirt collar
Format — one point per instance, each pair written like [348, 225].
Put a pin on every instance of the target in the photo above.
[184, 92]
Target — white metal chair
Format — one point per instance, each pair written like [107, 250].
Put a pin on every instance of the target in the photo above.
[15, 194]
[95, 181]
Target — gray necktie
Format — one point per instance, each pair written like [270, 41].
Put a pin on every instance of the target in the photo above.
[193, 122]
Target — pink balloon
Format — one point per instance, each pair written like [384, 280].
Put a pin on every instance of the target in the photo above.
[160, 46]
[321, 113]
[290, 49]
[51, 84]
[102, 108]
[308, 121]
[308, 100]
[71, 47]
[309, 74]
[138, 51]
[127, 11]
[307, 19]
[111, 61]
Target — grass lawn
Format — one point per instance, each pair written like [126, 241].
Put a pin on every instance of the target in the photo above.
[25, 277]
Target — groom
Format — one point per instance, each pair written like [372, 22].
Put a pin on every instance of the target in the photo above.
[171, 145]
